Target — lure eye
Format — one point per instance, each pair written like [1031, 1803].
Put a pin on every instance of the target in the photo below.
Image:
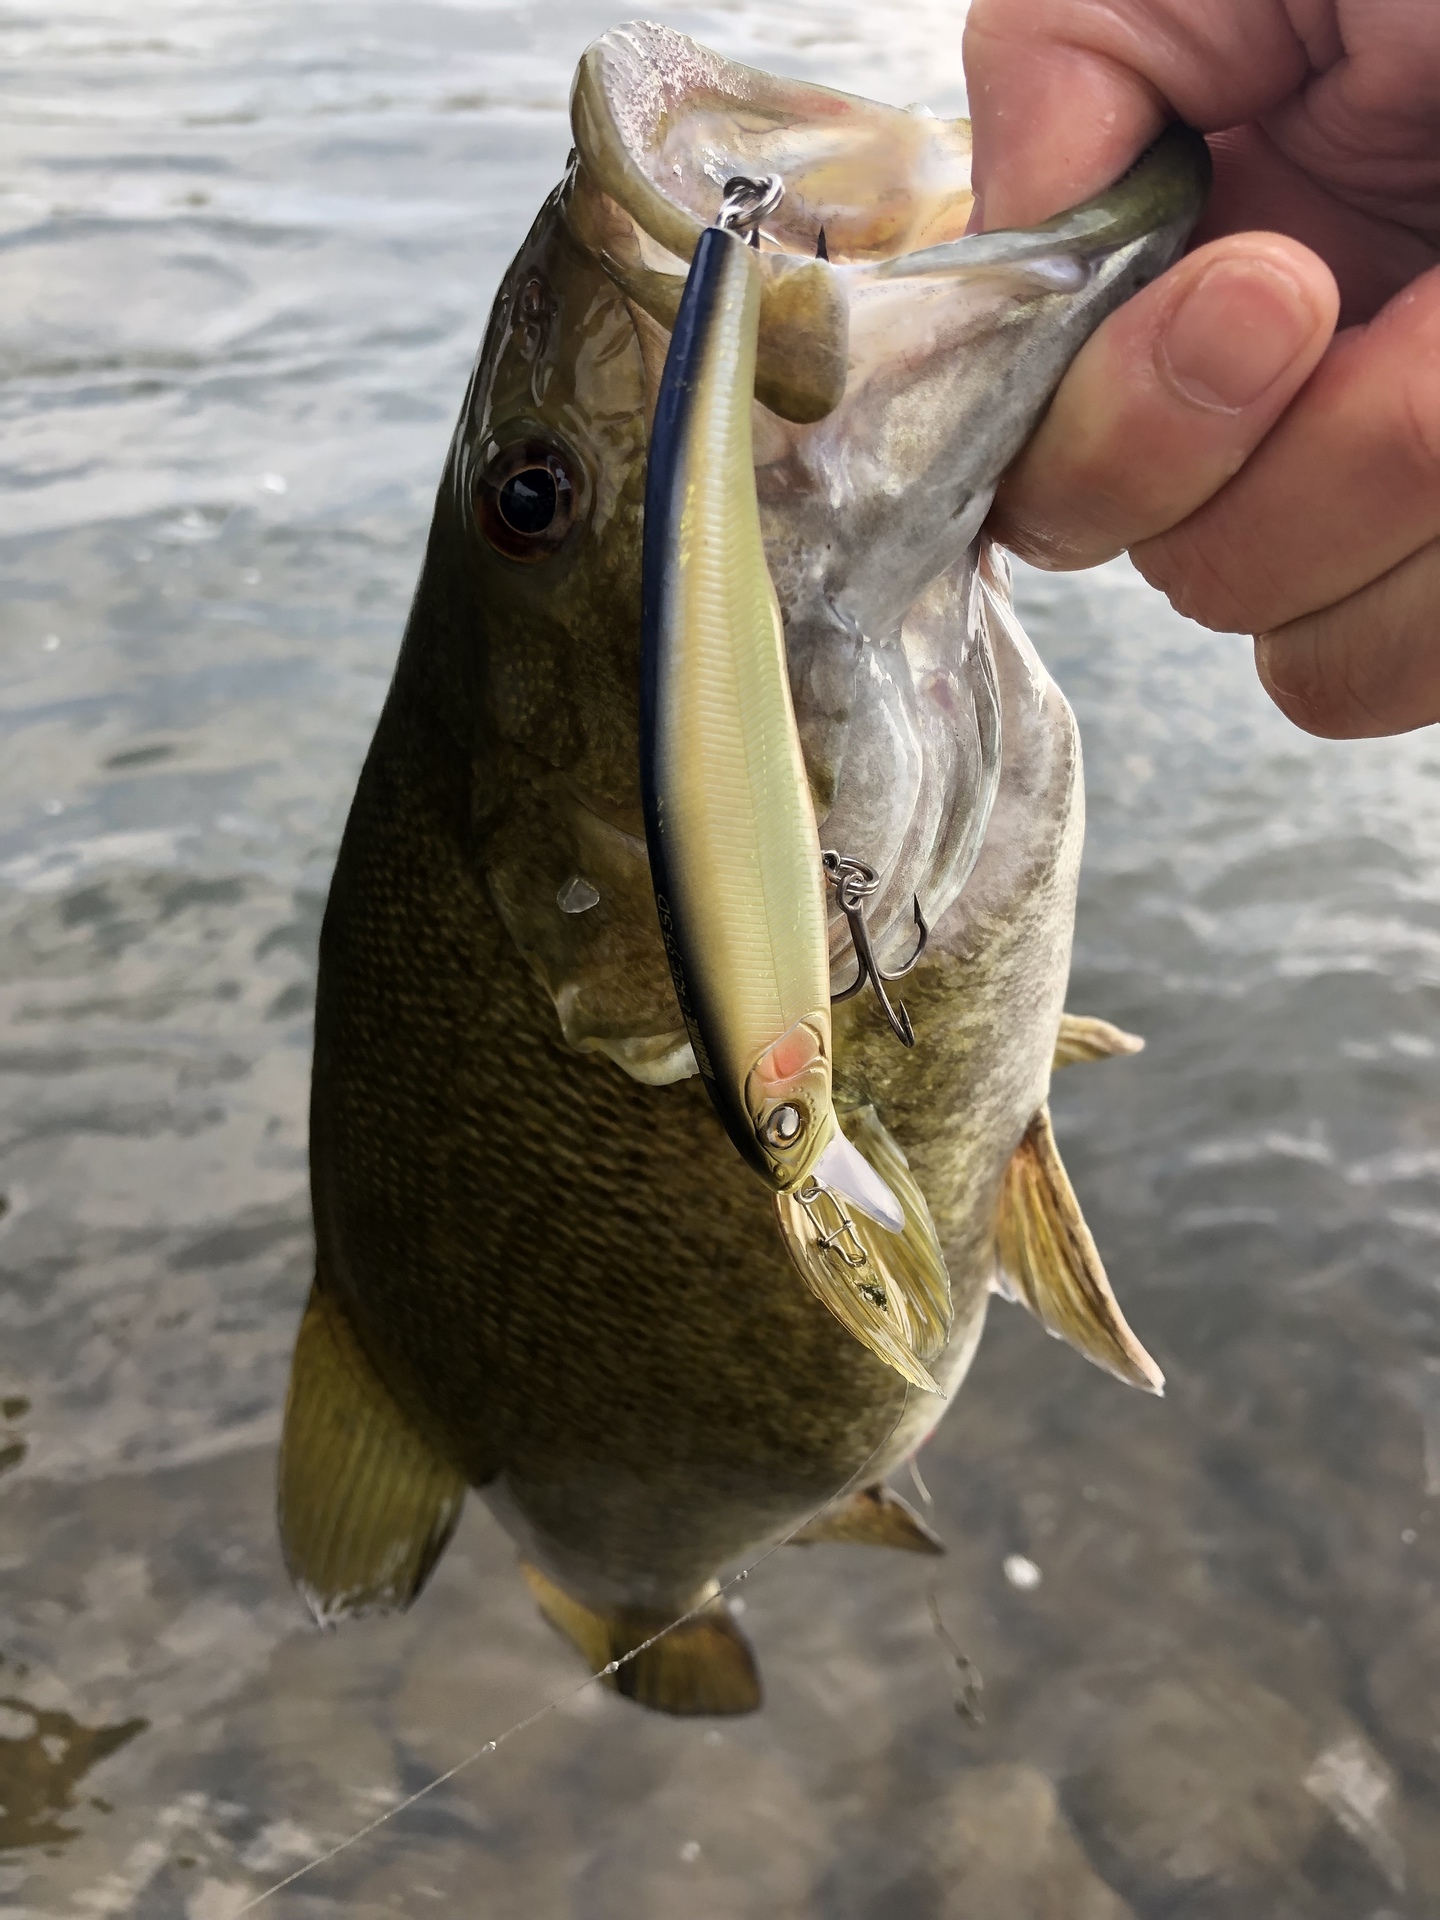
[525, 501]
[784, 1126]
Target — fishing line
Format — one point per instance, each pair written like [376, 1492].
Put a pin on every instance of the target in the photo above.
[920, 1487]
[572, 1693]
[969, 1681]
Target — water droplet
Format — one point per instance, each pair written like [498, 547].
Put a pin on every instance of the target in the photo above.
[577, 895]
[490, 1746]
[1063, 274]
[690, 1852]
[1409, 1536]
[1022, 1573]
[614, 1667]
[51, 643]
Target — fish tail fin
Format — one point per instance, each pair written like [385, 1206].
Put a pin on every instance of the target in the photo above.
[871, 1517]
[366, 1506]
[1084, 1037]
[704, 1665]
[1053, 1265]
[890, 1290]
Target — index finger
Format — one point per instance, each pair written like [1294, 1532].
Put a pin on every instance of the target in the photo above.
[1065, 93]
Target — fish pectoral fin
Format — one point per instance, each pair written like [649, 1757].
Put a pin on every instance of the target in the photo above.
[890, 1290]
[1083, 1037]
[366, 1506]
[702, 1665]
[1052, 1263]
[871, 1517]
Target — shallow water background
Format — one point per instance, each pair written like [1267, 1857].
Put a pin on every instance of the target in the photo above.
[246, 255]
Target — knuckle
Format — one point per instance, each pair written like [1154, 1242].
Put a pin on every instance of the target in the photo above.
[1202, 578]
[1039, 516]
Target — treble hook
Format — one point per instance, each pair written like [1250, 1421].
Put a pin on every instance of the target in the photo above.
[854, 883]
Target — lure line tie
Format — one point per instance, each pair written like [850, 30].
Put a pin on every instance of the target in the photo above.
[747, 202]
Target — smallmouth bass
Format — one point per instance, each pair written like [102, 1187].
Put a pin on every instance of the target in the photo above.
[542, 1269]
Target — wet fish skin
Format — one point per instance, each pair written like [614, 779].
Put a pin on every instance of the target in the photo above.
[563, 1279]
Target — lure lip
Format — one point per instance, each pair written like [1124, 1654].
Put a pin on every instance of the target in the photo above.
[845, 1170]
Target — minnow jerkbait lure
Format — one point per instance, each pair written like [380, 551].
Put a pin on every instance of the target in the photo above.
[740, 877]
[730, 825]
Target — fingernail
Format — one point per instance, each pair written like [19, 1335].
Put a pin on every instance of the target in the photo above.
[1234, 334]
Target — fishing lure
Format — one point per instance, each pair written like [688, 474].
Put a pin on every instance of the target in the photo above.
[734, 849]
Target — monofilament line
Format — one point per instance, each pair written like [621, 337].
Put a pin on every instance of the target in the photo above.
[571, 1693]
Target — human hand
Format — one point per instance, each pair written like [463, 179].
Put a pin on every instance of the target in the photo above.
[1268, 477]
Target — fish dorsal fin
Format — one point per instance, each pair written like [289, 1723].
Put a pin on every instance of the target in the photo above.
[871, 1517]
[700, 1666]
[1051, 1261]
[890, 1290]
[366, 1506]
[1083, 1037]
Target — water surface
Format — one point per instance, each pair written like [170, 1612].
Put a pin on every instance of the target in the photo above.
[247, 254]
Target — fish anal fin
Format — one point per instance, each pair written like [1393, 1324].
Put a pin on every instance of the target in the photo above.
[1083, 1037]
[366, 1505]
[703, 1665]
[892, 1292]
[871, 1517]
[1052, 1263]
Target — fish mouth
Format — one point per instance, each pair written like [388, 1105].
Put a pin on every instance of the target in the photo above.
[872, 193]
[901, 365]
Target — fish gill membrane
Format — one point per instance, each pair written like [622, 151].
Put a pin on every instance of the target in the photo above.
[542, 1269]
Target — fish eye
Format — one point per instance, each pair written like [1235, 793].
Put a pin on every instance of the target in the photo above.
[529, 500]
[525, 500]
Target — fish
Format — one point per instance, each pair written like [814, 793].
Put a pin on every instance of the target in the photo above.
[542, 1270]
